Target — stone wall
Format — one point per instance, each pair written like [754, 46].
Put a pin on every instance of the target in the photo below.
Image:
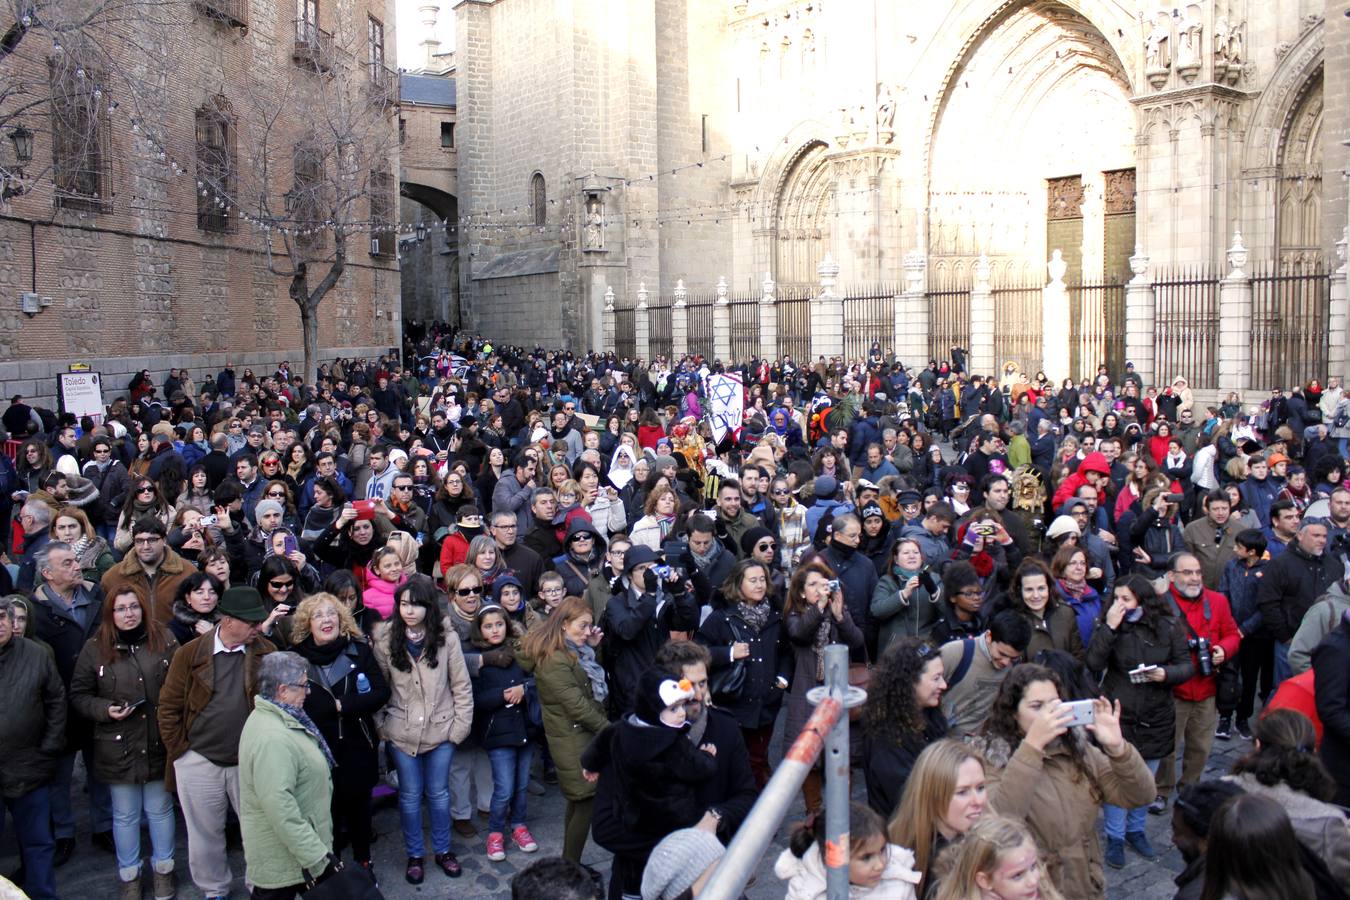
[519, 310]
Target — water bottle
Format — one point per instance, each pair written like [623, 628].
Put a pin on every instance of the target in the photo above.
[362, 683]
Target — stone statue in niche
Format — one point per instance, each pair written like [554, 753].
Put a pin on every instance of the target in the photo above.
[1158, 50]
[885, 114]
[594, 237]
[1189, 43]
[1057, 267]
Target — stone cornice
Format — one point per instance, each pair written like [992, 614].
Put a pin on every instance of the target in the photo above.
[1195, 92]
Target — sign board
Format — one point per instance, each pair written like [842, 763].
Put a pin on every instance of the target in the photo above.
[82, 394]
[78, 367]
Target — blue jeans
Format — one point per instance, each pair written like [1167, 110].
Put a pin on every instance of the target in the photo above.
[32, 815]
[128, 800]
[418, 776]
[1119, 821]
[100, 803]
[1282, 670]
[510, 785]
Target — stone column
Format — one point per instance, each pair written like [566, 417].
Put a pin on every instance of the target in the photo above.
[1140, 308]
[1235, 321]
[1054, 321]
[642, 328]
[982, 321]
[609, 325]
[827, 314]
[722, 325]
[911, 314]
[679, 323]
[768, 320]
[1338, 321]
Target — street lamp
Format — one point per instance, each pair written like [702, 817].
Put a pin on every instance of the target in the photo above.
[23, 143]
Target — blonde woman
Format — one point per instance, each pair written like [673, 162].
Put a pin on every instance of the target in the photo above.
[347, 689]
[945, 796]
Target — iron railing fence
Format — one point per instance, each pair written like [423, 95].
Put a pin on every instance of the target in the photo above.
[1290, 313]
[1186, 326]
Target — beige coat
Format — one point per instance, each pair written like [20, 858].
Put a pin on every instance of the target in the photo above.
[1061, 806]
[428, 706]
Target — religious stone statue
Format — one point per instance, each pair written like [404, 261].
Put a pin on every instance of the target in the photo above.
[1157, 50]
[595, 225]
[1189, 42]
[1057, 267]
[885, 113]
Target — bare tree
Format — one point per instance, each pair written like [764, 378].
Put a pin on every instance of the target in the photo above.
[321, 149]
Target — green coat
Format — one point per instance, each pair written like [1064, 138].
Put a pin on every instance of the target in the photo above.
[285, 789]
[572, 716]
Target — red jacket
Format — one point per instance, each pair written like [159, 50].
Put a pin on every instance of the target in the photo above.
[1093, 462]
[648, 435]
[1218, 626]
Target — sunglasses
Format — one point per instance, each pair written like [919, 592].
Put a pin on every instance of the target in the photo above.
[468, 592]
[147, 489]
[782, 492]
[281, 585]
[277, 495]
[768, 545]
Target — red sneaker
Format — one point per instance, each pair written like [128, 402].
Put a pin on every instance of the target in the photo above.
[522, 838]
[496, 847]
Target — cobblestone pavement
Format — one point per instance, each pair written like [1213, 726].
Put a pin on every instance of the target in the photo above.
[92, 873]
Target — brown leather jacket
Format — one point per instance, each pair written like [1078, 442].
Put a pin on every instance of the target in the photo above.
[188, 688]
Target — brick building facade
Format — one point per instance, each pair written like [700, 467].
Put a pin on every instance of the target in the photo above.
[149, 273]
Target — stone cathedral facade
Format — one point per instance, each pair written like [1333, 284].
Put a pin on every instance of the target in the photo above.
[612, 144]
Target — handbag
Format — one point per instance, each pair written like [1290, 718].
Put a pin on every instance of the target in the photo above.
[344, 883]
[726, 684]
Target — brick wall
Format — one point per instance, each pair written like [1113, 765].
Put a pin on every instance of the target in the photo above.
[139, 280]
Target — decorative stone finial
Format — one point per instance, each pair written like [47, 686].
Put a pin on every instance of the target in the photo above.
[681, 293]
[1237, 256]
[609, 299]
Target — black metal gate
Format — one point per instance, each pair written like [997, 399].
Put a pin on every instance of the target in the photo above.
[625, 333]
[794, 320]
[744, 328]
[869, 317]
[1186, 327]
[1097, 311]
[1290, 309]
[1018, 328]
[948, 321]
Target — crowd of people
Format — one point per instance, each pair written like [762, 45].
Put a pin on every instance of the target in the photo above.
[469, 575]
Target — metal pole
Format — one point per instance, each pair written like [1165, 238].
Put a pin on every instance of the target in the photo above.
[836, 778]
[758, 829]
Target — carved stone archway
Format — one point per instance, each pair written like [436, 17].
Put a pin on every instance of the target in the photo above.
[802, 219]
[1298, 211]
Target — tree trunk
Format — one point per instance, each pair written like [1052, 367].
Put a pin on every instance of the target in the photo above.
[309, 328]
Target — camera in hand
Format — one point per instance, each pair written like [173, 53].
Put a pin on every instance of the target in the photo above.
[1204, 655]
[833, 585]
[929, 580]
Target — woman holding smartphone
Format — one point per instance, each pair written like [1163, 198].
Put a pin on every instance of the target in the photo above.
[1143, 651]
[116, 685]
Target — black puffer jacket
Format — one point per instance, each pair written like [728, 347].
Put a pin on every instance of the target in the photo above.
[1147, 711]
[128, 751]
[32, 732]
[759, 699]
[496, 725]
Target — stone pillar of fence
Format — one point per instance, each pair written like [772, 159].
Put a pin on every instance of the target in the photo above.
[722, 325]
[1235, 322]
[679, 322]
[768, 320]
[827, 313]
[911, 314]
[642, 327]
[1140, 309]
[1054, 321]
[982, 322]
[1338, 318]
[609, 330]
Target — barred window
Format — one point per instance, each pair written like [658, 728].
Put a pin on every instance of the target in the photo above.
[306, 201]
[539, 199]
[81, 157]
[381, 214]
[215, 164]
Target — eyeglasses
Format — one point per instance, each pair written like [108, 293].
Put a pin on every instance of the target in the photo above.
[468, 592]
[781, 492]
[552, 592]
[126, 609]
[281, 585]
[145, 489]
[508, 527]
[569, 409]
[304, 686]
[767, 545]
[277, 495]
[403, 487]
[148, 540]
[101, 450]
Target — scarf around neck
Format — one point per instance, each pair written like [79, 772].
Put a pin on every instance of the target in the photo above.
[299, 714]
[755, 615]
[594, 671]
